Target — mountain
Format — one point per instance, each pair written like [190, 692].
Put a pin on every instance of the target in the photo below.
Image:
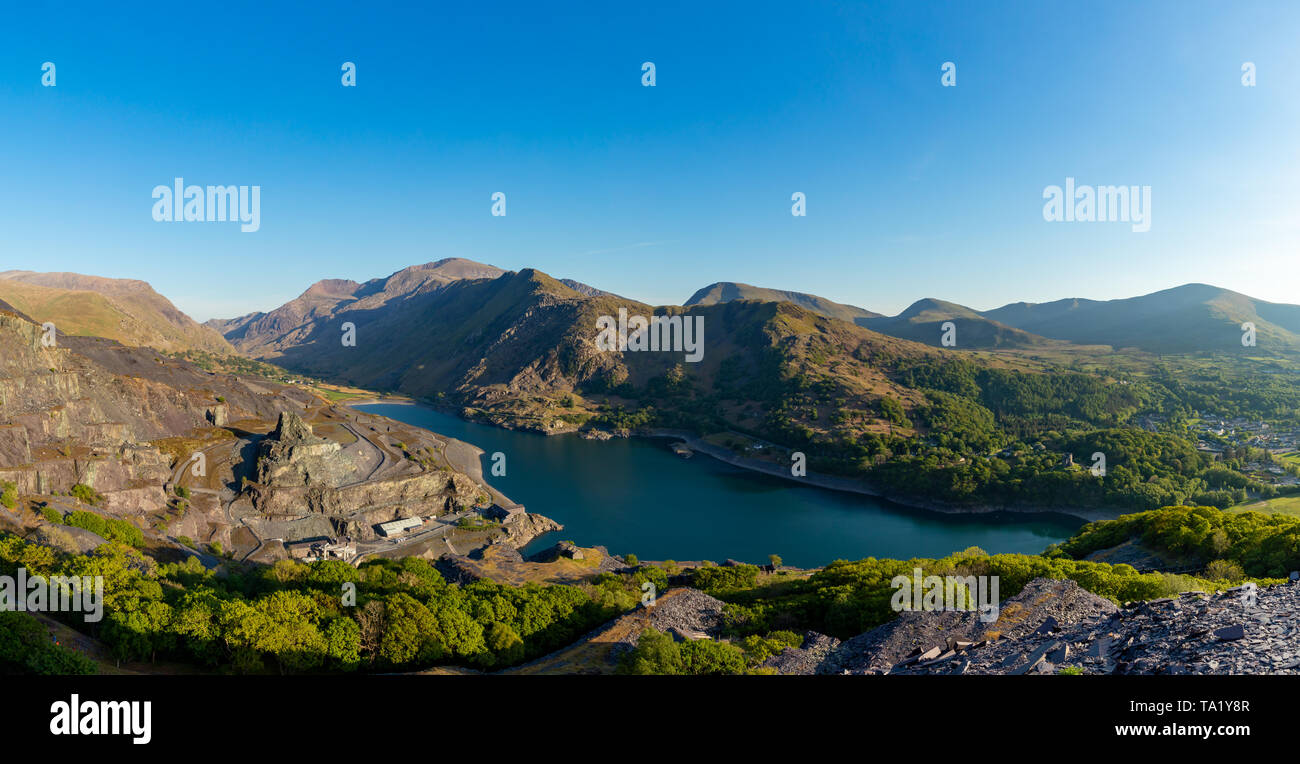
[511, 347]
[1184, 319]
[265, 334]
[590, 291]
[923, 321]
[125, 310]
[726, 291]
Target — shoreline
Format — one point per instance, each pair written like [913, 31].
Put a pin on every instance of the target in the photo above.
[860, 486]
[825, 482]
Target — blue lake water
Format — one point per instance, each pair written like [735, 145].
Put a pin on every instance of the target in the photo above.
[635, 495]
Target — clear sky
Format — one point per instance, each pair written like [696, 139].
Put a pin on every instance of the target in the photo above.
[913, 189]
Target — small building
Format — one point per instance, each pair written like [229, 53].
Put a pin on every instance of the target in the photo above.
[398, 527]
[303, 548]
[500, 513]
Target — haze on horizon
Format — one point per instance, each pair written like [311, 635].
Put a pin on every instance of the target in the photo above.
[913, 189]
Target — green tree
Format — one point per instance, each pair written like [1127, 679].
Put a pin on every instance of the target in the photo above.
[655, 653]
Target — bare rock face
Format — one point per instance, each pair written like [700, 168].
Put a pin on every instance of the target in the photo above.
[293, 456]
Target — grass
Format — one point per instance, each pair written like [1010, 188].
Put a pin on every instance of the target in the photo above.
[1283, 505]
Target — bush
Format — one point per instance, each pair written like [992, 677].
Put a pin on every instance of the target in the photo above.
[655, 653]
[85, 494]
[108, 528]
[9, 494]
[725, 577]
[1224, 570]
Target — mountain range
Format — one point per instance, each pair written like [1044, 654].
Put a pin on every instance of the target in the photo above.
[1185, 319]
[515, 342]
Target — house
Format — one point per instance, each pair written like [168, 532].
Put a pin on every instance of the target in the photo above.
[498, 512]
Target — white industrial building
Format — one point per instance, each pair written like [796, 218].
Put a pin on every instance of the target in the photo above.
[397, 527]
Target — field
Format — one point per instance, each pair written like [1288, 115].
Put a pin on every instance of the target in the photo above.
[1284, 505]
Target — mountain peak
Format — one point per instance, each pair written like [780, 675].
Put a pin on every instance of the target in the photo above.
[726, 291]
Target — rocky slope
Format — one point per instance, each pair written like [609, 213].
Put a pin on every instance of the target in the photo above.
[1052, 626]
[136, 426]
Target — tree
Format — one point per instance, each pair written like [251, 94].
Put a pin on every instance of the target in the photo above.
[343, 643]
[504, 644]
[409, 634]
[655, 653]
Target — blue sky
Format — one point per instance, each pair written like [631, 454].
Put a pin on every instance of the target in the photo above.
[913, 189]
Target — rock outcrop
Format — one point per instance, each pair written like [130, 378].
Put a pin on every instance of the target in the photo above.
[293, 456]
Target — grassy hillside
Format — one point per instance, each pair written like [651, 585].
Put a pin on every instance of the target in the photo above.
[127, 311]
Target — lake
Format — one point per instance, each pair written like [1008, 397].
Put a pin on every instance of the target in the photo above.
[635, 495]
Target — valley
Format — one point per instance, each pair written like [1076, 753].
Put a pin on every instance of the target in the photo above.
[217, 487]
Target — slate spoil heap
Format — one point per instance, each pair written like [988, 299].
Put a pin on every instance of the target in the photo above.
[1052, 626]
[1227, 632]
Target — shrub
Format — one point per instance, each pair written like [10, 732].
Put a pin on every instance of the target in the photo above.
[1224, 570]
[109, 528]
[85, 494]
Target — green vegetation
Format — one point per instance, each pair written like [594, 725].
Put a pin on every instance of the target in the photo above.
[289, 617]
[109, 528]
[847, 598]
[1258, 544]
[9, 494]
[25, 648]
[85, 494]
[658, 653]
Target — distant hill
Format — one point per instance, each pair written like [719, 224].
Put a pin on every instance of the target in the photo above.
[265, 334]
[590, 291]
[726, 291]
[125, 310]
[1184, 319]
[923, 321]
